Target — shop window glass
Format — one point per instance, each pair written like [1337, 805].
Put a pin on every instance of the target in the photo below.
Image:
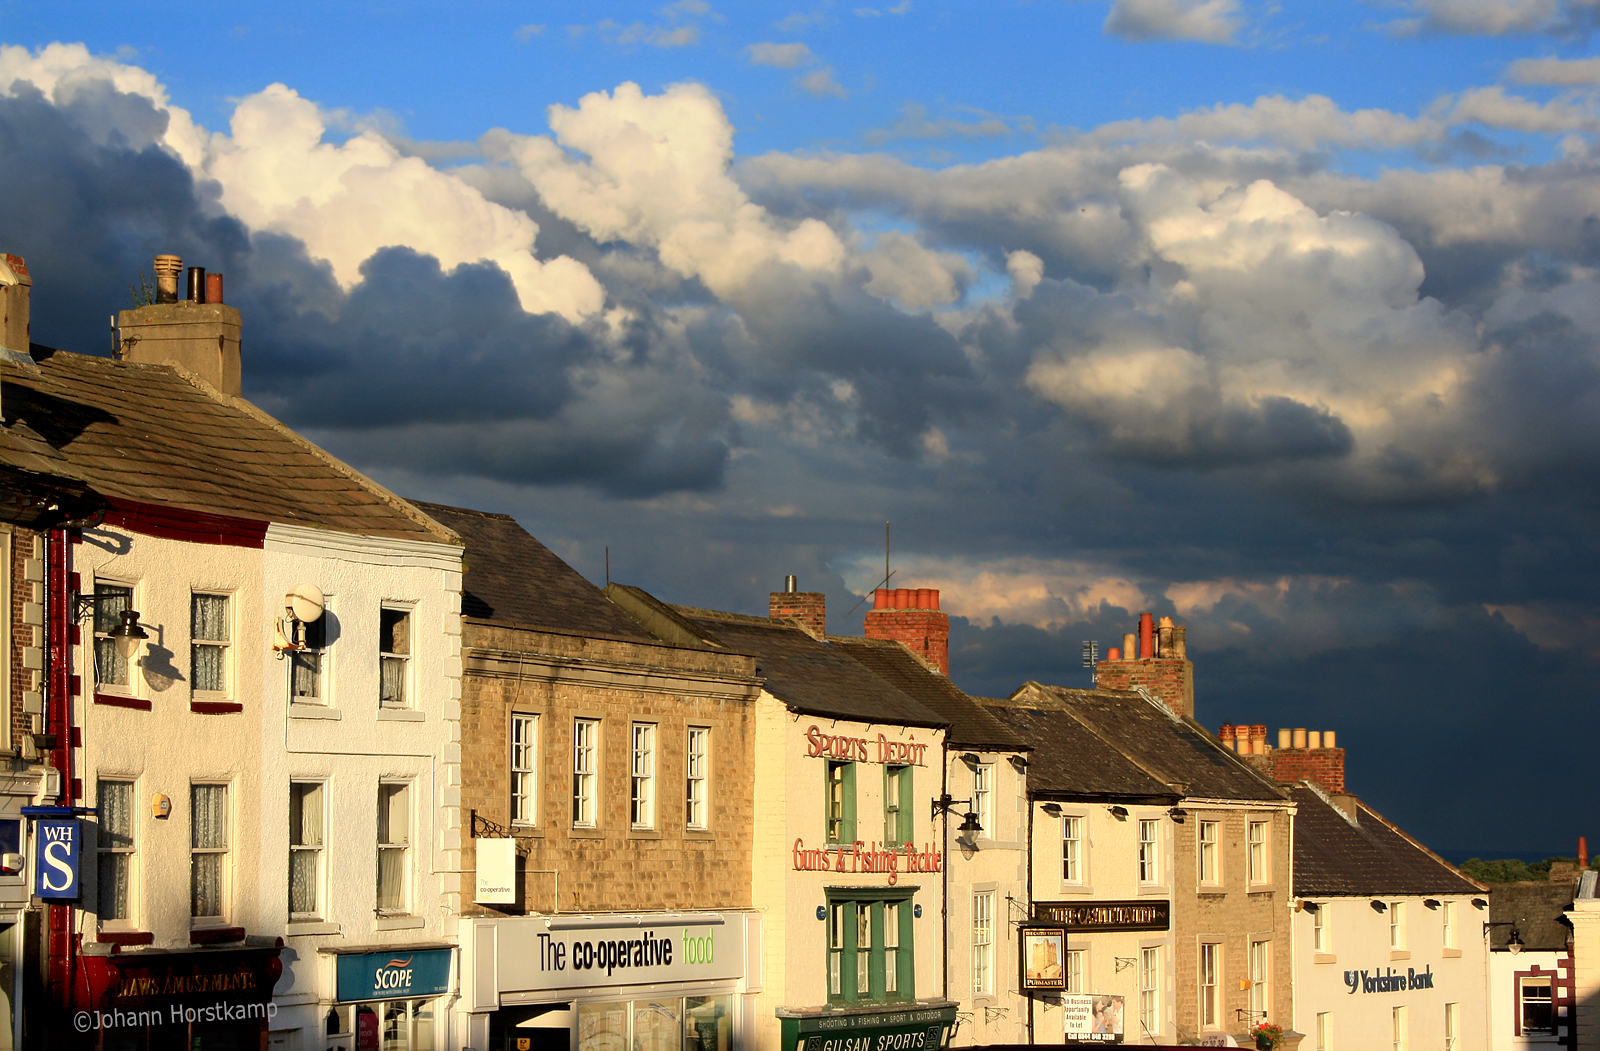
[387, 1025]
[603, 1027]
[707, 1025]
[862, 949]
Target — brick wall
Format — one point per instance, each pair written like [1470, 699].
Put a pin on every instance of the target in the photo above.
[1171, 681]
[1325, 766]
[809, 608]
[911, 616]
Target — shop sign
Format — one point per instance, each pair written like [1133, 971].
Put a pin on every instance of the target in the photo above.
[891, 1031]
[141, 993]
[497, 872]
[392, 975]
[1044, 956]
[531, 957]
[864, 749]
[868, 858]
[56, 875]
[1093, 1019]
[1089, 916]
[1388, 980]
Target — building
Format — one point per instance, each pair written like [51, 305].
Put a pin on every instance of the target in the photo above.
[604, 899]
[1531, 935]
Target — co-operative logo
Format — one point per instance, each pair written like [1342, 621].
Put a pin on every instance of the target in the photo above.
[396, 974]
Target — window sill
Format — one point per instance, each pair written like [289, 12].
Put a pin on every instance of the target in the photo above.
[116, 700]
[1324, 957]
[400, 715]
[399, 923]
[644, 833]
[313, 711]
[698, 833]
[125, 937]
[1399, 954]
[215, 935]
[215, 707]
[1216, 894]
[1450, 954]
[302, 928]
[587, 833]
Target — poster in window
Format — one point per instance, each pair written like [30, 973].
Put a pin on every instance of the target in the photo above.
[1044, 957]
[1093, 1019]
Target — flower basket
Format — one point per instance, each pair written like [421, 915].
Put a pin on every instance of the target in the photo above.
[1267, 1035]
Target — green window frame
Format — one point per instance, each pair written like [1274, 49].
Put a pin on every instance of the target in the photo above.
[839, 794]
[871, 952]
[897, 828]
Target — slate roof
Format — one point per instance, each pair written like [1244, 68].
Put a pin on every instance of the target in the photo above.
[512, 578]
[1070, 762]
[971, 724]
[809, 675]
[1536, 909]
[1334, 857]
[1170, 749]
[148, 434]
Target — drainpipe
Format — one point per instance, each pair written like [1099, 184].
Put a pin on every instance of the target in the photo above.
[944, 873]
[59, 588]
[1028, 855]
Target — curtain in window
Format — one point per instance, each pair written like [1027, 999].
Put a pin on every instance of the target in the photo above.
[305, 674]
[305, 842]
[208, 808]
[394, 821]
[115, 804]
[208, 622]
[109, 602]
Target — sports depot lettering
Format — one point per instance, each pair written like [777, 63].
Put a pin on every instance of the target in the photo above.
[864, 749]
[614, 954]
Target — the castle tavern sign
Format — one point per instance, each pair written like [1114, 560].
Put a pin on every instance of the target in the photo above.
[1134, 915]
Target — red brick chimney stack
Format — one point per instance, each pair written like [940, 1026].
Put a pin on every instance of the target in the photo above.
[912, 616]
[809, 609]
[1301, 755]
[1161, 665]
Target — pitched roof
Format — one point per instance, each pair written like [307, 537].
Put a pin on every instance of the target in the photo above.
[808, 674]
[511, 577]
[153, 435]
[1335, 856]
[971, 724]
[1172, 749]
[1070, 762]
[1535, 909]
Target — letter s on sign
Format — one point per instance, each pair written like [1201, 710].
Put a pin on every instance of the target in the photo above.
[52, 857]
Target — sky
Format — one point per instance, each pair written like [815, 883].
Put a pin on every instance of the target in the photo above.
[1278, 319]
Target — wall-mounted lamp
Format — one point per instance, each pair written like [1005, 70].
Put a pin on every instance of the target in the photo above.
[969, 821]
[1378, 906]
[1020, 762]
[1119, 812]
[1479, 903]
[304, 604]
[1432, 903]
[1053, 809]
[970, 758]
[125, 636]
[1178, 814]
[1514, 942]
[1310, 906]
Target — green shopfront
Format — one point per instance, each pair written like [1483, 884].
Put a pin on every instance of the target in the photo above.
[916, 1029]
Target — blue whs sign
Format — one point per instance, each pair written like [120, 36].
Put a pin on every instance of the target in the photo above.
[56, 875]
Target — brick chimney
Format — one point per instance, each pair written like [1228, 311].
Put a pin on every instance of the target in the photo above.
[1301, 755]
[809, 609]
[15, 288]
[1160, 664]
[200, 333]
[912, 616]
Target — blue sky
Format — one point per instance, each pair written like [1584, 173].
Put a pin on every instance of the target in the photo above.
[1277, 319]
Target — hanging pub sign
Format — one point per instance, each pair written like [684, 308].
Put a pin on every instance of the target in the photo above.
[1086, 916]
[56, 875]
[1044, 956]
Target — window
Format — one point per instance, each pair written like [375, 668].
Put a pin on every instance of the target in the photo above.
[1256, 852]
[1452, 1027]
[1324, 1031]
[305, 849]
[208, 643]
[1319, 929]
[524, 758]
[208, 852]
[1210, 985]
[394, 656]
[114, 849]
[585, 745]
[1209, 873]
[841, 800]
[394, 843]
[1398, 1014]
[1397, 925]
[983, 943]
[1071, 849]
[1150, 990]
[642, 786]
[695, 815]
[870, 955]
[897, 830]
[109, 602]
[305, 666]
[1537, 1013]
[1074, 969]
[1260, 978]
[983, 797]
[1448, 923]
[1148, 870]
[400, 1025]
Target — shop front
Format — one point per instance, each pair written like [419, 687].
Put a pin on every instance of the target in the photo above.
[914, 1029]
[202, 999]
[389, 997]
[652, 982]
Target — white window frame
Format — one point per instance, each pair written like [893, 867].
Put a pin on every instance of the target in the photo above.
[314, 658]
[1402, 1026]
[314, 852]
[1150, 989]
[1324, 1033]
[220, 851]
[223, 646]
[983, 798]
[1210, 980]
[1452, 1027]
[1210, 853]
[396, 657]
[102, 638]
[1261, 978]
[1257, 839]
[1547, 983]
[983, 943]
[697, 779]
[1071, 848]
[1072, 966]
[1149, 833]
[585, 772]
[1397, 926]
[389, 846]
[123, 855]
[1447, 923]
[524, 767]
[1319, 929]
[642, 782]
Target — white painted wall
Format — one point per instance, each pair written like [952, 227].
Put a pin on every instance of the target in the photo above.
[1501, 1006]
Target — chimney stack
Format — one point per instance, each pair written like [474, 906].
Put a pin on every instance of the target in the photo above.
[15, 289]
[911, 616]
[1160, 664]
[808, 609]
[200, 333]
[1301, 755]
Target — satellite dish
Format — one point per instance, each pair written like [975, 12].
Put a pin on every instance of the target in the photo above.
[304, 603]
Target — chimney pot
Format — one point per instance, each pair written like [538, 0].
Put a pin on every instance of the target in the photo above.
[15, 308]
[1113, 654]
[1583, 853]
[1146, 641]
[1130, 647]
[1314, 739]
[197, 284]
[167, 268]
[1327, 739]
[214, 288]
[790, 585]
[1300, 737]
[1284, 736]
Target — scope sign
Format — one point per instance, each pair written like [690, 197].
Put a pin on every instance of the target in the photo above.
[56, 876]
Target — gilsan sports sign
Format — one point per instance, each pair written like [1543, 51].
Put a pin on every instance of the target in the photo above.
[864, 749]
[538, 958]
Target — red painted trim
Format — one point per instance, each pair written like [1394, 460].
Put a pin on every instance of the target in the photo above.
[215, 707]
[174, 523]
[125, 938]
[115, 701]
[216, 935]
